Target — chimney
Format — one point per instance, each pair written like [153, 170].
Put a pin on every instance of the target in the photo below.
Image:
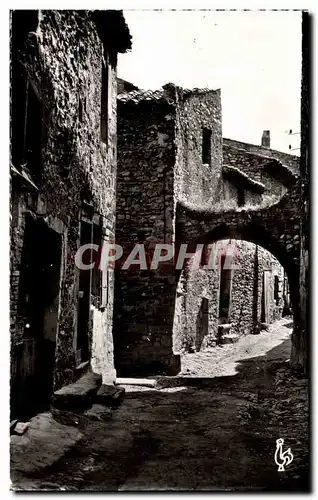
[266, 139]
[170, 90]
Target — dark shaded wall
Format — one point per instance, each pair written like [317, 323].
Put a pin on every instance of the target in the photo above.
[300, 355]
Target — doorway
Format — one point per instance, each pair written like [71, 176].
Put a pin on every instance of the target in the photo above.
[202, 327]
[225, 292]
[38, 308]
[264, 303]
[83, 314]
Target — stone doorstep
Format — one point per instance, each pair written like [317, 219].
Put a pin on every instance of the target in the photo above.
[224, 335]
[229, 339]
[224, 328]
[109, 395]
[79, 395]
[145, 382]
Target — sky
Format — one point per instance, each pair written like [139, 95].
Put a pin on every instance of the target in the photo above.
[254, 57]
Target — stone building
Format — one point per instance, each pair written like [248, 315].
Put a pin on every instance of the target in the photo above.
[63, 181]
[170, 154]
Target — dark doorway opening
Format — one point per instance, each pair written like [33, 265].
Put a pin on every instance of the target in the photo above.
[34, 132]
[240, 197]
[38, 308]
[202, 323]
[225, 292]
[264, 302]
[83, 315]
[276, 290]
[104, 104]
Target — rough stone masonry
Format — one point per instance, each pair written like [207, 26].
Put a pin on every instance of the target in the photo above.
[176, 176]
[63, 181]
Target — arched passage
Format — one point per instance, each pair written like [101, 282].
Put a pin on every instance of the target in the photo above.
[276, 229]
[229, 288]
[148, 349]
[256, 234]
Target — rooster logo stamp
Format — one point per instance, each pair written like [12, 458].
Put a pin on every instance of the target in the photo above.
[282, 459]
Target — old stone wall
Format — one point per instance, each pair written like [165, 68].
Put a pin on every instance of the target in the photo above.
[143, 298]
[63, 59]
[300, 356]
[198, 181]
[160, 139]
[163, 177]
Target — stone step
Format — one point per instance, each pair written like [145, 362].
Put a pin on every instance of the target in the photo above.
[229, 339]
[145, 382]
[225, 336]
[224, 328]
[79, 395]
[109, 395]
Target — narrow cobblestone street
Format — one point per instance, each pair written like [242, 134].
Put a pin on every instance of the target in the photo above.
[221, 360]
[196, 433]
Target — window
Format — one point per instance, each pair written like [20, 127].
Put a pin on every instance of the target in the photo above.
[27, 123]
[33, 134]
[18, 112]
[26, 105]
[276, 290]
[206, 145]
[240, 197]
[104, 104]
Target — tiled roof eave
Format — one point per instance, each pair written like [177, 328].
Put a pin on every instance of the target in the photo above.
[238, 177]
[280, 171]
[141, 95]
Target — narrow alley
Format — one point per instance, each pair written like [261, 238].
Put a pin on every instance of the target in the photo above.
[191, 433]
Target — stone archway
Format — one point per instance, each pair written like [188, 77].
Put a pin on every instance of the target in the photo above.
[275, 228]
[148, 349]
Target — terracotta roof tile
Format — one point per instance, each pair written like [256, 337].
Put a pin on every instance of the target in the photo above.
[235, 172]
[137, 96]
